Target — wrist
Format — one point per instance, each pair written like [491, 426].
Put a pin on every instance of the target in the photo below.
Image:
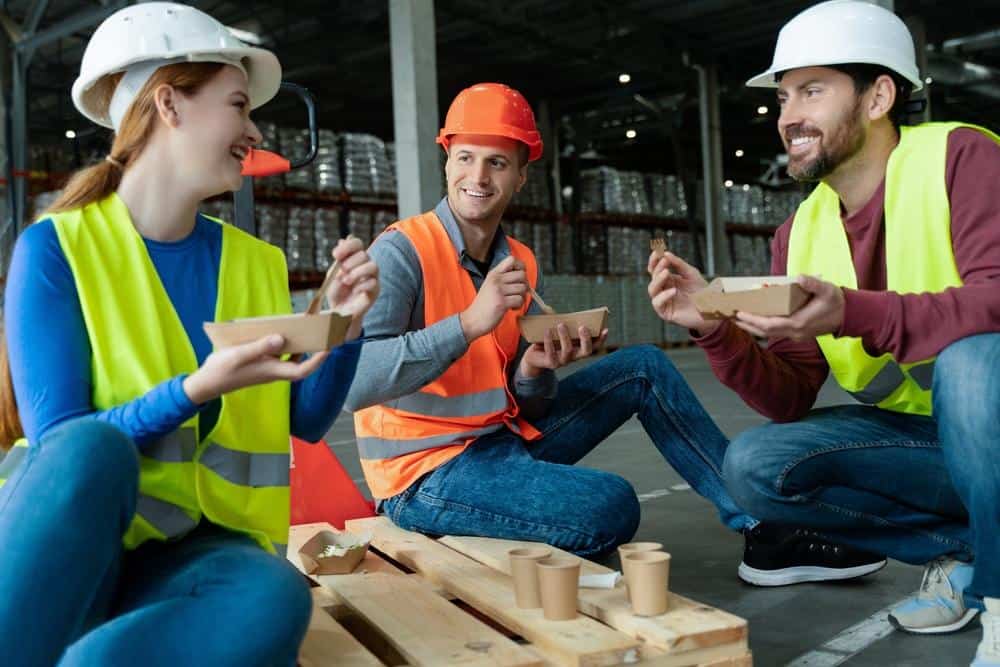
[707, 327]
[470, 331]
[527, 370]
[195, 392]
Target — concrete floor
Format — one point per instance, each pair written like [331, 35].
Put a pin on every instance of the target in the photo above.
[810, 625]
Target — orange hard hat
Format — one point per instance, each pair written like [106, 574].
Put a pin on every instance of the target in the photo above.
[492, 109]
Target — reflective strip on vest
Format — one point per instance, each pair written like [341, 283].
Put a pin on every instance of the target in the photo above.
[246, 468]
[166, 517]
[464, 405]
[176, 447]
[11, 461]
[923, 375]
[380, 448]
[880, 387]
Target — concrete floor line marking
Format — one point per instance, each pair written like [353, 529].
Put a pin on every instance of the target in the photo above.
[680, 487]
[849, 642]
[657, 493]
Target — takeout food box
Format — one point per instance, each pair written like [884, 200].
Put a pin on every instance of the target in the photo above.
[759, 295]
[533, 327]
[302, 332]
[329, 552]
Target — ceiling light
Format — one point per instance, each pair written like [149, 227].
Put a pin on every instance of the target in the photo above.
[739, 152]
[70, 134]
[728, 183]
[762, 110]
[630, 134]
[624, 77]
[746, 188]
[929, 80]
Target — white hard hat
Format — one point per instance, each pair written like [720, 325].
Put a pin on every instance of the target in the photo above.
[839, 32]
[148, 35]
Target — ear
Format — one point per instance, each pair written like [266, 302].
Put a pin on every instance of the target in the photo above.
[522, 177]
[166, 99]
[882, 97]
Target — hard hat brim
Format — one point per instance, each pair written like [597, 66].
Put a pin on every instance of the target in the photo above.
[535, 147]
[767, 78]
[263, 70]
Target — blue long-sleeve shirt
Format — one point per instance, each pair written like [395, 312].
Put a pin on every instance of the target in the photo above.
[50, 355]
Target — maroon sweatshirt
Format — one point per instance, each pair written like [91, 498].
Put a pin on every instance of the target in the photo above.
[781, 381]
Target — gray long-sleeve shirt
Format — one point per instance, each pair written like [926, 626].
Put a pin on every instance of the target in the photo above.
[401, 355]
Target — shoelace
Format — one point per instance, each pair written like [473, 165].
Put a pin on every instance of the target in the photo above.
[934, 575]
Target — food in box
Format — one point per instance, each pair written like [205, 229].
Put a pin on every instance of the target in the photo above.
[759, 295]
[302, 332]
[330, 552]
[533, 327]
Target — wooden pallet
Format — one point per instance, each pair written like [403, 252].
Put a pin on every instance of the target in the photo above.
[418, 601]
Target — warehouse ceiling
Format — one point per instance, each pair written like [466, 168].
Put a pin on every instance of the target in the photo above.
[566, 56]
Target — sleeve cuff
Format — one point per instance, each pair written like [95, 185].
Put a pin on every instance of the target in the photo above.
[864, 311]
[545, 385]
[450, 343]
[724, 343]
[185, 407]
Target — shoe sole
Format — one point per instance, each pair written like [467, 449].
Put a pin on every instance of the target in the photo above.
[805, 574]
[936, 629]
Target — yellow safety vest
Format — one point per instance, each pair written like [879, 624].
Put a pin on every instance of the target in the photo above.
[918, 255]
[235, 476]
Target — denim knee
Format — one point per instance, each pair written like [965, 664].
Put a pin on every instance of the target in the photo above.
[277, 610]
[648, 358]
[92, 460]
[614, 512]
[966, 387]
[749, 483]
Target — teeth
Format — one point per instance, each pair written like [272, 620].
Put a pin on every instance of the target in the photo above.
[801, 141]
[473, 193]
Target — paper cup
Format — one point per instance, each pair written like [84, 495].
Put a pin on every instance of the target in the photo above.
[650, 577]
[559, 582]
[524, 569]
[634, 547]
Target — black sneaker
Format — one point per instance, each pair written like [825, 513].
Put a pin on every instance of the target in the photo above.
[781, 555]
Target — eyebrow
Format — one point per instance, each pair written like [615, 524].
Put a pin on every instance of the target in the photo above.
[801, 86]
[494, 155]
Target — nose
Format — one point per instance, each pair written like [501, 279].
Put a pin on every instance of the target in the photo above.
[253, 134]
[481, 172]
[790, 114]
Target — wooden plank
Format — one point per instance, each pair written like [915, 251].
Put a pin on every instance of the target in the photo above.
[328, 643]
[424, 628]
[686, 626]
[729, 655]
[581, 642]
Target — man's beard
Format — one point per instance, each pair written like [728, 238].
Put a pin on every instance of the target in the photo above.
[847, 141]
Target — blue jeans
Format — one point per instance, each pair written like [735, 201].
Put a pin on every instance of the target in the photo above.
[70, 593]
[911, 487]
[502, 486]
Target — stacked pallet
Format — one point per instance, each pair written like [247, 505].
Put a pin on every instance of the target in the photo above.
[418, 601]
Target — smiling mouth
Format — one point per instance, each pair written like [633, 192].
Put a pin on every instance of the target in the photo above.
[239, 153]
[476, 194]
[802, 143]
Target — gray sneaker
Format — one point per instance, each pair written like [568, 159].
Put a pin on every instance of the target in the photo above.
[938, 607]
[988, 654]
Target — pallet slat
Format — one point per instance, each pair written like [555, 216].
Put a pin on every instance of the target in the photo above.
[423, 627]
[328, 643]
[686, 626]
[582, 642]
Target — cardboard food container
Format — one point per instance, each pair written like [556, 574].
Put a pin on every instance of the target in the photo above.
[760, 295]
[329, 552]
[302, 332]
[533, 327]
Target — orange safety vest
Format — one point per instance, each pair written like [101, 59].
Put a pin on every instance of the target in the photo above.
[406, 438]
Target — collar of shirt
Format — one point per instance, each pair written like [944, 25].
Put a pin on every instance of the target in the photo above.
[499, 249]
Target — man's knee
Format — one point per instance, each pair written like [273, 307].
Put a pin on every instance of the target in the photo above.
[748, 481]
[644, 357]
[966, 386]
[611, 507]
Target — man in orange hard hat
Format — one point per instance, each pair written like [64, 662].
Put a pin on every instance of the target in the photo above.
[462, 426]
